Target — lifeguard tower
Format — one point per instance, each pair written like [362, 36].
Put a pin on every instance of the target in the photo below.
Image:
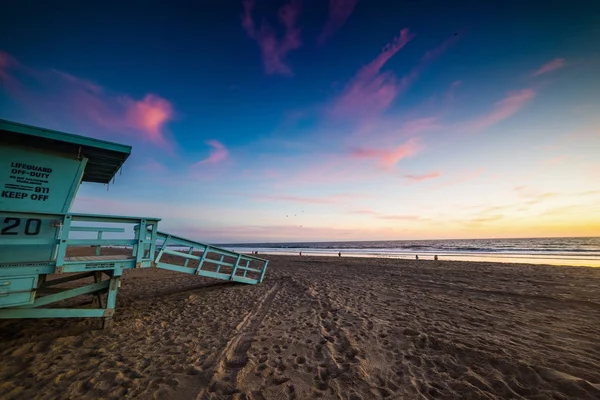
[40, 173]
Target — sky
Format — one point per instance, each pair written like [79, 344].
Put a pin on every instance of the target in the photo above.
[298, 120]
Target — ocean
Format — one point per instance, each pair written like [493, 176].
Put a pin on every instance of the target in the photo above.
[583, 251]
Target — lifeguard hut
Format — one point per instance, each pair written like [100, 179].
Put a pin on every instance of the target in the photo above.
[40, 173]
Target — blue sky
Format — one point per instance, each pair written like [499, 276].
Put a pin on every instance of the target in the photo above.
[315, 120]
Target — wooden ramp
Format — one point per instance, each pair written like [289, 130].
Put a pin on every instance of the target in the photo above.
[210, 261]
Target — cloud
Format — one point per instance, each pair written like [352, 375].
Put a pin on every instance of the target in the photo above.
[386, 131]
[269, 233]
[532, 196]
[70, 99]
[296, 199]
[503, 109]
[184, 220]
[556, 160]
[152, 166]
[419, 125]
[436, 52]
[123, 206]
[589, 132]
[393, 217]
[450, 94]
[589, 193]
[372, 91]
[465, 176]
[539, 198]
[339, 11]
[148, 115]
[90, 86]
[332, 199]
[7, 62]
[401, 217]
[326, 169]
[550, 66]
[484, 219]
[363, 212]
[389, 158]
[274, 49]
[218, 153]
[423, 177]
[12, 71]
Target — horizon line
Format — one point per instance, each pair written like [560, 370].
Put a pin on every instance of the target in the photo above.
[414, 240]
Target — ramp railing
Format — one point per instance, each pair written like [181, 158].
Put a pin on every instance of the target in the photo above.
[138, 258]
[207, 260]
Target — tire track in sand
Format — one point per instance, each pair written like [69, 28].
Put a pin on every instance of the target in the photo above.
[234, 357]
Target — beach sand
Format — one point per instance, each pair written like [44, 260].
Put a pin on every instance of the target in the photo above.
[324, 327]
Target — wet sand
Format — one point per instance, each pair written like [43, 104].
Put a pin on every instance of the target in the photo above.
[329, 328]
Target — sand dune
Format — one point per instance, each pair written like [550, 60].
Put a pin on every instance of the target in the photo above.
[339, 328]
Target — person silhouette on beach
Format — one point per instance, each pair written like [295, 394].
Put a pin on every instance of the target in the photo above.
[435, 257]
[339, 254]
[417, 257]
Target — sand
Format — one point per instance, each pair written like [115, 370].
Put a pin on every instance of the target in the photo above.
[329, 328]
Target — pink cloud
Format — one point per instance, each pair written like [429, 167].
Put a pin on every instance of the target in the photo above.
[297, 199]
[503, 109]
[218, 153]
[274, 49]
[419, 125]
[339, 11]
[7, 63]
[427, 58]
[271, 173]
[326, 169]
[69, 99]
[371, 90]
[153, 166]
[452, 90]
[148, 115]
[465, 176]
[556, 160]
[423, 177]
[92, 87]
[332, 199]
[261, 173]
[363, 212]
[389, 158]
[385, 132]
[5, 60]
[436, 52]
[401, 217]
[591, 131]
[387, 217]
[550, 66]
